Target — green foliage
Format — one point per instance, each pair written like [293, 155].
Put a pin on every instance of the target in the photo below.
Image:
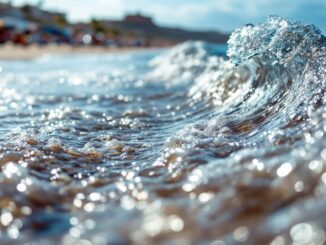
[98, 26]
[28, 13]
[60, 20]
[114, 32]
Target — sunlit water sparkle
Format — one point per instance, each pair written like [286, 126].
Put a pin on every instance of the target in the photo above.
[181, 146]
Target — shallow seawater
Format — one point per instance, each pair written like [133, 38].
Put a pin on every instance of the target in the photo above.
[177, 146]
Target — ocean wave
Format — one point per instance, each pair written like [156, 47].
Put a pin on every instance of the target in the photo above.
[266, 124]
[190, 147]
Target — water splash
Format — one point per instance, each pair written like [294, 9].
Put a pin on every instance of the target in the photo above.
[180, 147]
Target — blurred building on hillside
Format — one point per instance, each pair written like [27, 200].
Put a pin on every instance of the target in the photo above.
[6, 10]
[138, 19]
[30, 24]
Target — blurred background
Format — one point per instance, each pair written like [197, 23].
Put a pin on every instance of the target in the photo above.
[142, 23]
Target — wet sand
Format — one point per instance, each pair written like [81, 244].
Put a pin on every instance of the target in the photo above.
[14, 52]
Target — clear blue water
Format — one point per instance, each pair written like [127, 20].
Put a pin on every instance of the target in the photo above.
[175, 146]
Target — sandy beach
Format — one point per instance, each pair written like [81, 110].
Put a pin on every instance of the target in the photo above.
[14, 52]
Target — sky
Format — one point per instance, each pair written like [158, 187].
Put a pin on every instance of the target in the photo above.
[223, 15]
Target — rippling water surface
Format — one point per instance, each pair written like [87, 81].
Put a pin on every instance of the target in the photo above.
[182, 146]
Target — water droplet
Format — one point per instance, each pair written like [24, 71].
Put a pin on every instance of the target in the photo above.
[241, 234]
[299, 186]
[176, 223]
[284, 169]
[6, 218]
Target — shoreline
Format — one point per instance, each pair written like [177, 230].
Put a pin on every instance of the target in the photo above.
[13, 52]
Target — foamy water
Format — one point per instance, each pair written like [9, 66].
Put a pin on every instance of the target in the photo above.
[182, 146]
